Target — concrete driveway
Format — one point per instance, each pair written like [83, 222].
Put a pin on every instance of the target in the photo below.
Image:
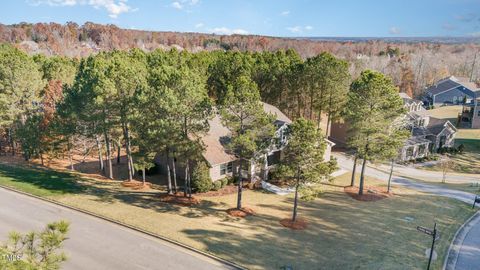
[97, 244]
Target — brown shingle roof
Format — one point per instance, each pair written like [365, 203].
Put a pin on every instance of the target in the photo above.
[218, 135]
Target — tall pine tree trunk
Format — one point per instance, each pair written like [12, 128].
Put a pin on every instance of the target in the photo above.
[169, 177]
[119, 149]
[295, 202]
[126, 136]
[174, 170]
[12, 142]
[319, 118]
[69, 146]
[185, 184]
[352, 182]
[100, 155]
[109, 156]
[240, 186]
[390, 177]
[362, 175]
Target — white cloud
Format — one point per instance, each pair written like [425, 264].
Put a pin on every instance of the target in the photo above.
[228, 31]
[113, 7]
[181, 4]
[394, 30]
[299, 29]
[176, 5]
[475, 34]
[295, 29]
[285, 13]
[199, 25]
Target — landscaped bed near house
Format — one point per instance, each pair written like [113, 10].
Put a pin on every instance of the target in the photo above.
[342, 233]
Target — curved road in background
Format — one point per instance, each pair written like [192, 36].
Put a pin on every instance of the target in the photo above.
[94, 243]
[465, 249]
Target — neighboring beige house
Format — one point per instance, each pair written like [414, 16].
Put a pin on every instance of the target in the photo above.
[223, 164]
[428, 134]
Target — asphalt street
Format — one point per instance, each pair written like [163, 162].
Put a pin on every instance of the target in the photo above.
[95, 243]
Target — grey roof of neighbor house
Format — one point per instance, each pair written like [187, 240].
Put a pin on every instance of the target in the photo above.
[434, 127]
[450, 83]
[416, 140]
[215, 139]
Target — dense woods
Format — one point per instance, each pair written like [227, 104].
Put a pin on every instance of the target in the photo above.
[412, 65]
[146, 103]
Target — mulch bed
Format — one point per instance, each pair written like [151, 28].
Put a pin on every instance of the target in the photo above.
[370, 194]
[179, 199]
[242, 212]
[299, 224]
[227, 190]
[136, 185]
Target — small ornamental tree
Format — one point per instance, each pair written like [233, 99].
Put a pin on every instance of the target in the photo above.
[303, 158]
[201, 181]
[35, 250]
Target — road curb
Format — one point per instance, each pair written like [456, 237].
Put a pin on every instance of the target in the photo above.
[137, 229]
[454, 248]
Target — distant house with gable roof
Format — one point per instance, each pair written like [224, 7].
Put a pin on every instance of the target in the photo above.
[451, 91]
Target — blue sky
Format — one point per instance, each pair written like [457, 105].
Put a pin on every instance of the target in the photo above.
[350, 18]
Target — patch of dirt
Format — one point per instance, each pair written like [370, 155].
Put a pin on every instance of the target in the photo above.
[242, 212]
[299, 224]
[179, 199]
[227, 190]
[370, 194]
[137, 185]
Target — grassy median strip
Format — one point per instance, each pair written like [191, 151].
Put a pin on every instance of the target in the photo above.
[342, 233]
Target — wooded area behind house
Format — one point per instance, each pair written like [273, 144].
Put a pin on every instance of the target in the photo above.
[412, 65]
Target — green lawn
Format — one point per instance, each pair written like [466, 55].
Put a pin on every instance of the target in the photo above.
[343, 233]
[446, 112]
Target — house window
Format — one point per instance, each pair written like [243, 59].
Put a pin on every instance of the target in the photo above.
[226, 168]
[273, 158]
[409, 151]
[478, 113]
[455, 99]
[421, 149]
[421, 122]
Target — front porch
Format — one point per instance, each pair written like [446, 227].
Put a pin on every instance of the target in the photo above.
[415, 148]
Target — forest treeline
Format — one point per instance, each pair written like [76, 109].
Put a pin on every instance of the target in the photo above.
[412, 66]
[145, 103]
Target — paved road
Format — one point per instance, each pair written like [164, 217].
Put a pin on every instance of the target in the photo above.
[94, 243]
[432, 175]
[465, 252]
[347, 164]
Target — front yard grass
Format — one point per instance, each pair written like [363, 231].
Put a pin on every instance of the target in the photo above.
[342, 233]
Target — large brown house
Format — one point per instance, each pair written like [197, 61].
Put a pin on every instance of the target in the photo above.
[223, 164]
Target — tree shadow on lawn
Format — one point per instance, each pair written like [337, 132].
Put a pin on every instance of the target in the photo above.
[56, 182]
[342, 234]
